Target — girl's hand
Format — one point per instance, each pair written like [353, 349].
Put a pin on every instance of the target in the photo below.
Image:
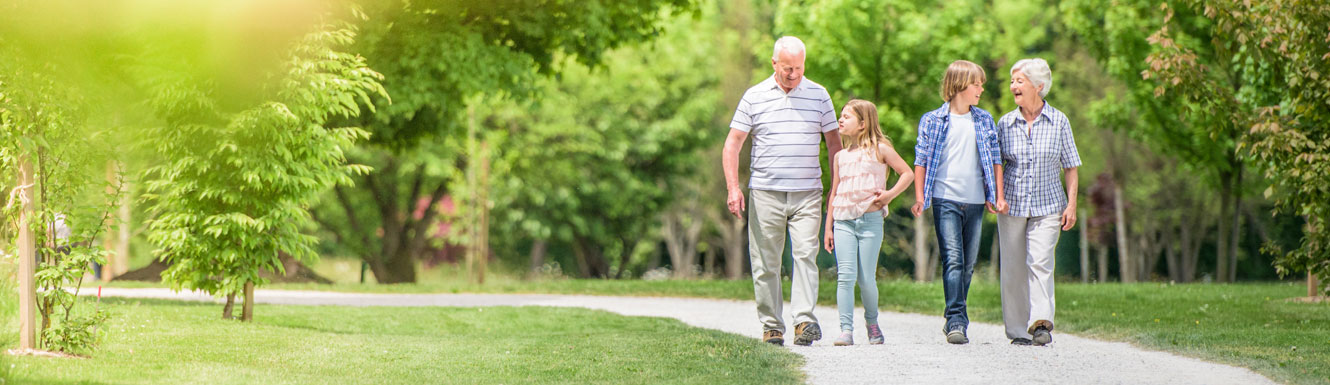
[880, 200]
[828, 241]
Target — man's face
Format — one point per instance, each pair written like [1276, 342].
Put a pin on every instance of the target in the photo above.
[789, 69]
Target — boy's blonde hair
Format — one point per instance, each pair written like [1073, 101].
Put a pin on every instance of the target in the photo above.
[871, 135]
[961, 74]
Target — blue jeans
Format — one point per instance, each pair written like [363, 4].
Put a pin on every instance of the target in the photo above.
[858, 242]
[958, 227]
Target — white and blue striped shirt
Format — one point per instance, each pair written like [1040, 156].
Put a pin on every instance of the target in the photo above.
[1033, 159]
[787, 133]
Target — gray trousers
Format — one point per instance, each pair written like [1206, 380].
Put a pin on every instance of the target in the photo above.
[1026, 246]
[770, 214]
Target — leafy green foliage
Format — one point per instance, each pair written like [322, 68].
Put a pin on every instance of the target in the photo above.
[1277, 91]
[233, 188]
[593, 164]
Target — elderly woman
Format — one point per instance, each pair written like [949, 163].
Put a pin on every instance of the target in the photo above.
[1036, 143]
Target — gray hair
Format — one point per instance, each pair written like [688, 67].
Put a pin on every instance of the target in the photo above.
[789, 44]
[1037, 70]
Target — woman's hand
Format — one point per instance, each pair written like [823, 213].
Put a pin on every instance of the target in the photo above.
[1069, 217]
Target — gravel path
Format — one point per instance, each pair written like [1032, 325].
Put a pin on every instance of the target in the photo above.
[916, 351]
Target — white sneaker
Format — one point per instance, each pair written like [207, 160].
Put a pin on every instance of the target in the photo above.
[845, 339]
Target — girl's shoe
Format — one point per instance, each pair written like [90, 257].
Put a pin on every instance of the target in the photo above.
[845, 339]
[875, 335]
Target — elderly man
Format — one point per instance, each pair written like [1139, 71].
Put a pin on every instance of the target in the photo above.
[788, 117]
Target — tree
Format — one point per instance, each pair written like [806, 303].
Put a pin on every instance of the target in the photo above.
[234, 187]
[438, 57]
[1267, 77]
[598, 181]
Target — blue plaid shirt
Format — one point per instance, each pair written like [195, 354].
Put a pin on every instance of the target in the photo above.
[1033, 159]
[932, 141]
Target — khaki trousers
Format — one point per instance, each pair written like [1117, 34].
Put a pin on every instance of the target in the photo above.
[770, 215]
[1026, 246]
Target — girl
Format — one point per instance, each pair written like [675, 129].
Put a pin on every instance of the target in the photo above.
[857, 205]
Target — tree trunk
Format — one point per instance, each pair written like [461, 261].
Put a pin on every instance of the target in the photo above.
[1171, 259]
[1312, 285]
[1085, 247]
[1126, 267]
[247, 312]
[538, 254]
[1103, 264]
[1237, 226]
[922, 268]
[230, 304]
[1221, 257]
[590, 260]
[400, 268]
[709, 262]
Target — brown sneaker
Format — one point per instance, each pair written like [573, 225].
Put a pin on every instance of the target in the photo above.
[774, 337]
[807, 332]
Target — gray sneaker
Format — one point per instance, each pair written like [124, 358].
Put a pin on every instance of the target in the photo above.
[875, 335]
[807, 332]
[846, 339]
[957, 336]
[1042, 336]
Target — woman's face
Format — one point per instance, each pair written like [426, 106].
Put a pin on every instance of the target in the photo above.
[1022, 89]
[850, 124]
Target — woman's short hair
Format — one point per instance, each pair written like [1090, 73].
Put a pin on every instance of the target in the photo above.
[961, 74]
[1037, 70]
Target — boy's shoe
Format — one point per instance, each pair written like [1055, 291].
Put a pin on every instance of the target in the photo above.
[875, 335]
[845, 339]
[774, 337]
[807, 332]
[1042, 336]
[957, 336]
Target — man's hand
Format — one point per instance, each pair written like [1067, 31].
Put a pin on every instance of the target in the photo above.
[735, 203]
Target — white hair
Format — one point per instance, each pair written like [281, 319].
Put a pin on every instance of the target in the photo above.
[789, 44]
[1037, 70]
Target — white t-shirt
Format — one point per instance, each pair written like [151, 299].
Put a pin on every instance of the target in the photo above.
[960, 177]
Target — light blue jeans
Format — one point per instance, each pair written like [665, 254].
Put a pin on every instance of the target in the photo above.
[858, 242]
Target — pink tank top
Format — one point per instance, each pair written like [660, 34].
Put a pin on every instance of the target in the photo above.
[861, 175]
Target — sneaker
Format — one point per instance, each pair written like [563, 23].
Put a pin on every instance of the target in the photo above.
[774, 337]
[807, 332]
[1042, 336]
[875, 335]
[1022, 342]
[957, 336]
[845, 339]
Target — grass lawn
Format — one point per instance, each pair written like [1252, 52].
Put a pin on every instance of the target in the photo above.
[167, 342]
[1251, 325]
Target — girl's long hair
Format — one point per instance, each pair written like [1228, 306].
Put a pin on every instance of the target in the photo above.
[869, 137]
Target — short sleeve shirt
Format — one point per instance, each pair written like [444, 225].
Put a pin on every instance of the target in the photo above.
[787, 133]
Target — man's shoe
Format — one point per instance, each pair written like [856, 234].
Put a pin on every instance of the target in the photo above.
[1042, 336]
[957, 336]
[1022, 342]
[774, 337]
[875, 335]
[845, 339]
[807, 332]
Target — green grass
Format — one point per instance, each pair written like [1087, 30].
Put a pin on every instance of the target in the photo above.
[161, 342]
[1252, 325]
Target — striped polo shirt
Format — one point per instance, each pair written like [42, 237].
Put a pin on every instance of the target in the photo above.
[787, 134]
